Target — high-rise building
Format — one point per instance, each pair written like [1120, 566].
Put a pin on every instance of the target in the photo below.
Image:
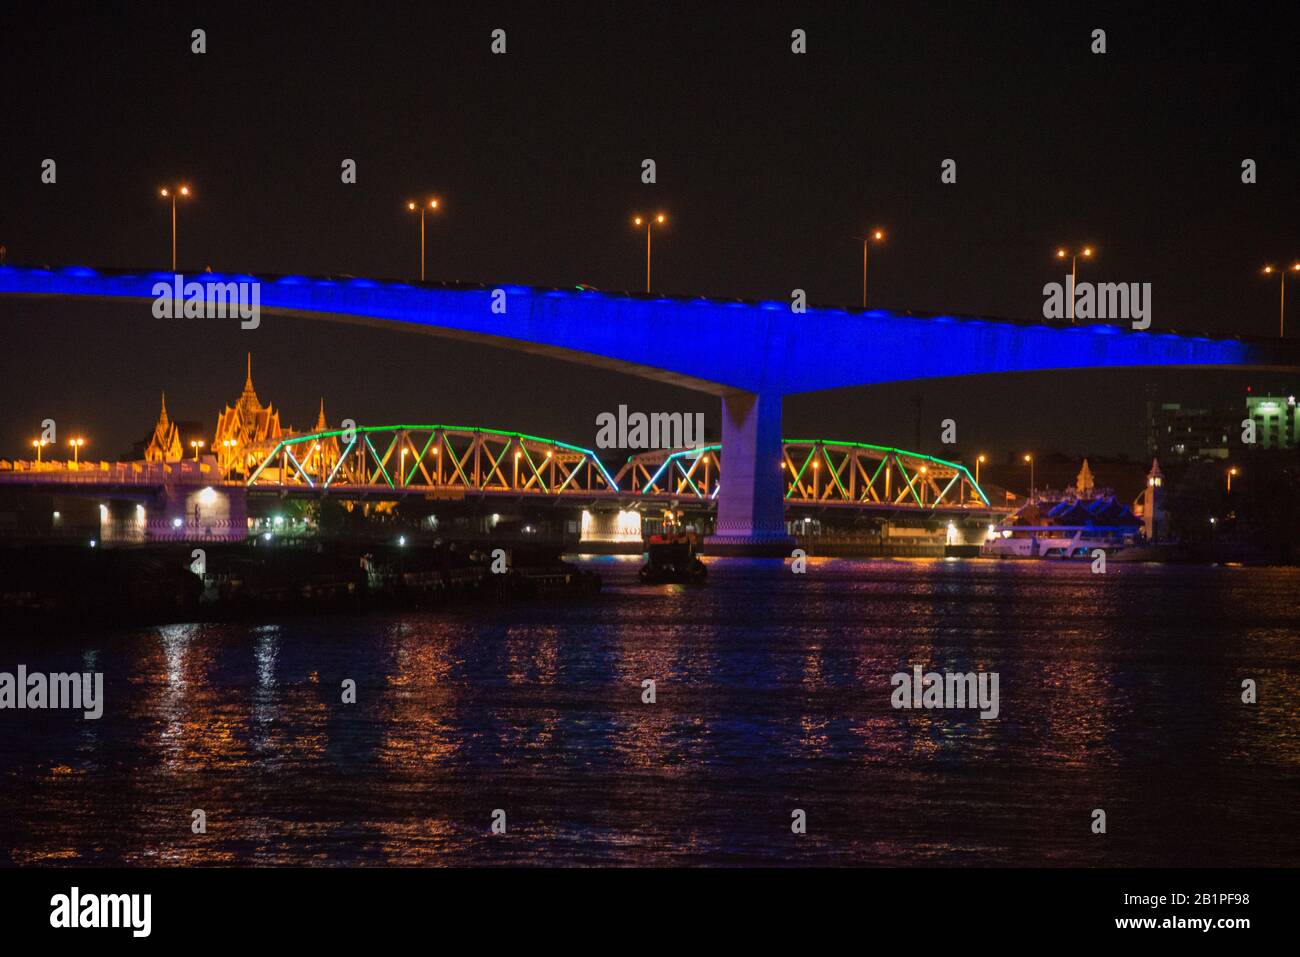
[1179, 433]
[1277, 420]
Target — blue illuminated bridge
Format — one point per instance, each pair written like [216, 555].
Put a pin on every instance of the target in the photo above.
[749, 354]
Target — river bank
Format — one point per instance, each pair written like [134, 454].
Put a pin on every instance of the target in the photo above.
[157, 584]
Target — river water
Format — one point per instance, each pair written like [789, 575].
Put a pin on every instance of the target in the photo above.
[1119, 692]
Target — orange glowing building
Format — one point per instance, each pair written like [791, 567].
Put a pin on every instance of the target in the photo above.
[165, 443]
[247, 431]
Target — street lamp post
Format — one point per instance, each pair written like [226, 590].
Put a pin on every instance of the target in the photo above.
[1281, 305]
[1086, 253]
[171, 192]
[1231, 473]
[412, 206]
[76, 448]
[648, 221]
[877, 236]
[39, 444]
[978, 461]
[1032, 488]
[196, 444]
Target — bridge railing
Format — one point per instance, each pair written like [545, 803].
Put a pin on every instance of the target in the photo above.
[110, 473]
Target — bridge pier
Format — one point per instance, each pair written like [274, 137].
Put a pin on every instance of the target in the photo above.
[751, 501]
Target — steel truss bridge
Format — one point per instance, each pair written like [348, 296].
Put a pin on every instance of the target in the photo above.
[453, 462]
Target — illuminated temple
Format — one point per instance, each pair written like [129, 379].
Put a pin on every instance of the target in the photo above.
[165, 443]
[247, 431]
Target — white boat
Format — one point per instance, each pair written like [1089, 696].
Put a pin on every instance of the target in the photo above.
[1056, 542]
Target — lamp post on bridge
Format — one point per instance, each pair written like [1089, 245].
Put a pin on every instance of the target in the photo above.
[39, 444]
[1086, 253]
[76, 448]
[659, 220]
[1030, 460]
[1281, 305]
[196, 444]
[1231, 472]
[876, 236]
[171, 192]
[413, 206]
[229, 459]
[978, 461]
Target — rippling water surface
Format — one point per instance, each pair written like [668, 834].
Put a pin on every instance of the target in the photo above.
[1120, 692]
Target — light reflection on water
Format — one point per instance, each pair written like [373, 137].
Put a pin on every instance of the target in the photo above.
[1119, 691]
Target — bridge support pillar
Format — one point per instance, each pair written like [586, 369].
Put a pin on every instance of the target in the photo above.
[751, 502]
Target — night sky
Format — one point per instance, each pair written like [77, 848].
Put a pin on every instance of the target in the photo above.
[768, 163]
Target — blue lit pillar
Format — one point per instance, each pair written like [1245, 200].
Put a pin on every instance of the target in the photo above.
[751, 502]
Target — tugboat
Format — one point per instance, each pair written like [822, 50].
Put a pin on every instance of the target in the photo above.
[672, 560]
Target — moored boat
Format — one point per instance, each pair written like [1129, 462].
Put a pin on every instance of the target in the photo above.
[672, 560]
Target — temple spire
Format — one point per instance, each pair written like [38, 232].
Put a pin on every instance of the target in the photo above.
[321, 426]
[165, 443]
[1083, 483]
[248, 382]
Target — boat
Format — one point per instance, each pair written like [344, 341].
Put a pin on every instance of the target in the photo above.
[1070, 527]
[1079, 543]
[672, 560]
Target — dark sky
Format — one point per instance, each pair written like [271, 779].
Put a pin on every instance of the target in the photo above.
[768, 163]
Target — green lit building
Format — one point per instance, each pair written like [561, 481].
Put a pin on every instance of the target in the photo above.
[1276, 420]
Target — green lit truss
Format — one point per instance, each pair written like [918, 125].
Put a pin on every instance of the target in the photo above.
[817, 472]
[452, 460]
[445, 459]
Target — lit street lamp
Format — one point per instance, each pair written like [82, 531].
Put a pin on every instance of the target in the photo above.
[1086, 253]
[39, 444]
[412, 206]
[637, 221]
[76, 448]
[1281, 305]
[1231, 473]
[978, 462]
[876, 236]
[196, 444]
[171, 192]
[1030, 460]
